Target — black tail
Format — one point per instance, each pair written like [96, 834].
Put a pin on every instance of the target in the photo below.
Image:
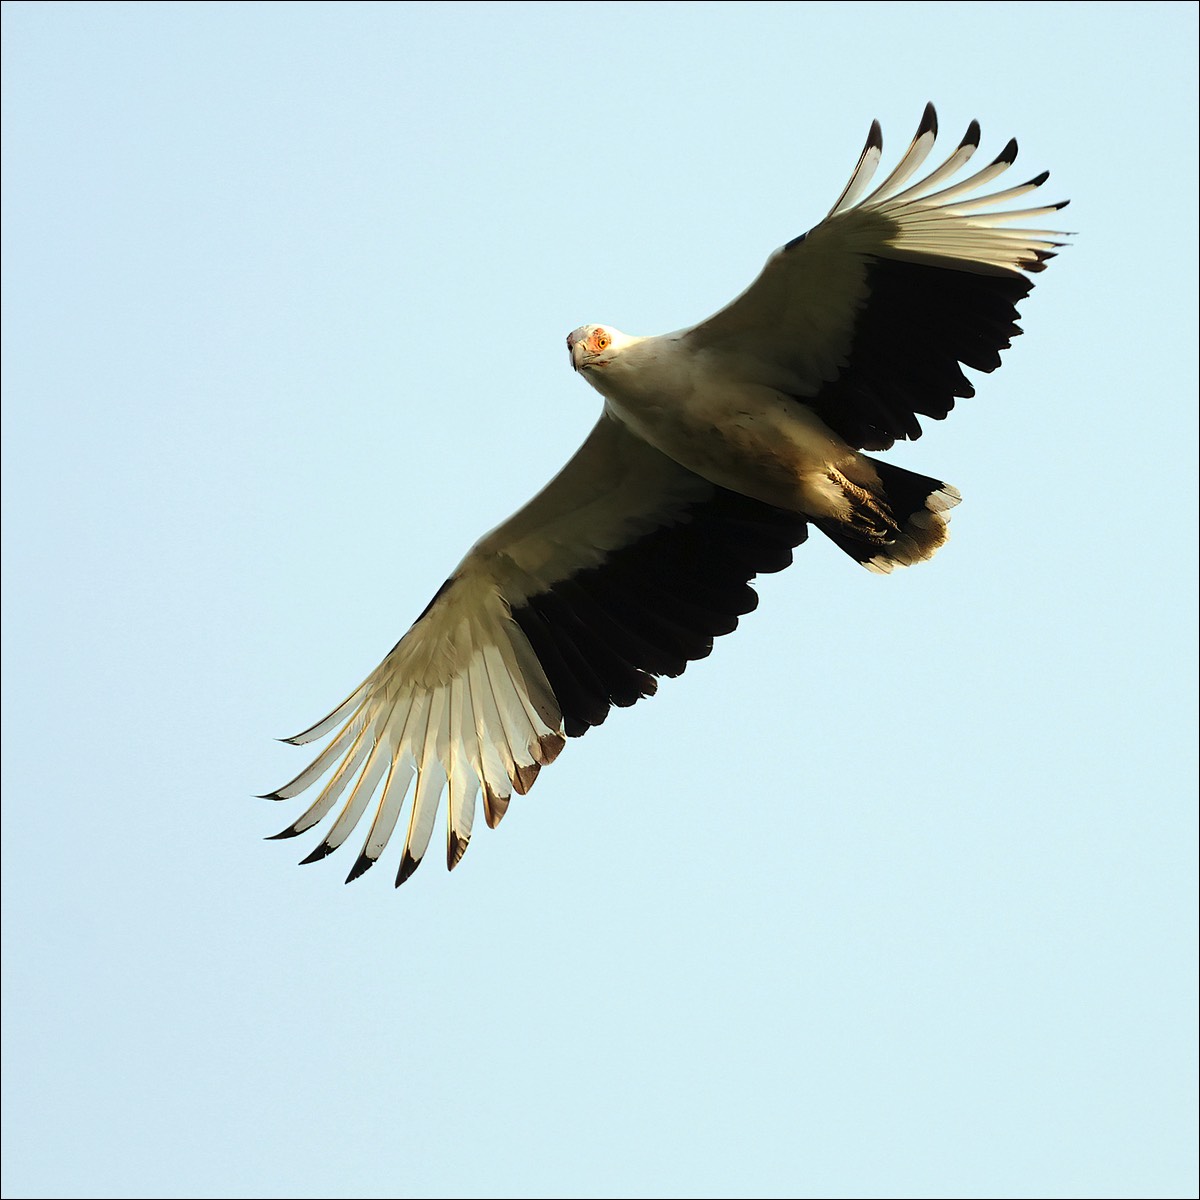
[896, 516]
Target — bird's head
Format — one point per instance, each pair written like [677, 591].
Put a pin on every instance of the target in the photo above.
[595, 346]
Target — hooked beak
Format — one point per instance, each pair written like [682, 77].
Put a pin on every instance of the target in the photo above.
[576, 349]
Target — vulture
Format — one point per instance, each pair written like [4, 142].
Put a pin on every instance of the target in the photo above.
[716, 449]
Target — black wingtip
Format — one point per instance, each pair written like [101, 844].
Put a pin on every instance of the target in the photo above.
[549, 747]
[456, 847]
[1008, 154]
[875, 136]
[362, 865]
[972, 136]
[322, 851]
[928, 121]
[408, 865]
[494, 807]
[269, 796]
[523, 778]
[1037, 180]
[290, 832]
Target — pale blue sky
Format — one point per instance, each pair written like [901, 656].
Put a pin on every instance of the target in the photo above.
[892, 896]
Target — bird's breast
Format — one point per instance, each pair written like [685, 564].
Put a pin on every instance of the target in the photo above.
[743, 436]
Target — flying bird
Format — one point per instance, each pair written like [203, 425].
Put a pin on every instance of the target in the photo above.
[716, 449]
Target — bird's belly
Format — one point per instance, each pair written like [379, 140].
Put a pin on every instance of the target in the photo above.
[751, 440]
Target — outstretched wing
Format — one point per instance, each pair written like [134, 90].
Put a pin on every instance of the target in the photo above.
[623, 568]
[867, 317]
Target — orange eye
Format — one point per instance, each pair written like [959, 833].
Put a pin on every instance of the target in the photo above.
[601, 340]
